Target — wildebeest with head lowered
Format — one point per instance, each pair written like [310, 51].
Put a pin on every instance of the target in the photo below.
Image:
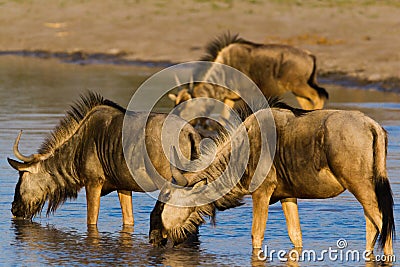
[319, 154]
[86, 150]
[275, 69]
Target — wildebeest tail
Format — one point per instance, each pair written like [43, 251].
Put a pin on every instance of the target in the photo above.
[383, 190]
[312, 81]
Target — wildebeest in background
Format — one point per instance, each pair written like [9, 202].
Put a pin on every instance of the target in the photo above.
[319, 154]
[86, 150]
[275, 69]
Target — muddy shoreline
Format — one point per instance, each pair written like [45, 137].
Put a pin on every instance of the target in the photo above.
[355, 41]
[83, 58]
[390, 84]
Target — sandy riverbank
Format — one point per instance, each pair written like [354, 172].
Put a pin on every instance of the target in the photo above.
[359, 39]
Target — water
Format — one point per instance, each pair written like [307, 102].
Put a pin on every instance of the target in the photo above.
[34, 95]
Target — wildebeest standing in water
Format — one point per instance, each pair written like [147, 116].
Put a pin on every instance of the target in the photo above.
[86, 150]
[319, 154]
[274, 68]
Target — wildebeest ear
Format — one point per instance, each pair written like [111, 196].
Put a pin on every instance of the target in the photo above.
[19, 166]
[172, 97]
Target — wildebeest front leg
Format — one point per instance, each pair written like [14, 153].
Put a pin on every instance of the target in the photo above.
[290, 209]
[125, 199]
[93, 193]
[261, 198]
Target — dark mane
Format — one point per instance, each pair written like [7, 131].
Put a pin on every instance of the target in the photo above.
[220, 42]
[233, 198]
[72, 119]
[245, 111]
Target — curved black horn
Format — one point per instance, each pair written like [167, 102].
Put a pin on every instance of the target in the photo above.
[18, 154]
[19, 166]
[176, 174]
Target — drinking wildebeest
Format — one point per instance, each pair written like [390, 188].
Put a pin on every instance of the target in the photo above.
[319, 154]
[275, 69]
[86, 150]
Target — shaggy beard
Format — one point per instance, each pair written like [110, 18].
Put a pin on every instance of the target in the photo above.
[27, 211]
[182, 232]
[32, 209]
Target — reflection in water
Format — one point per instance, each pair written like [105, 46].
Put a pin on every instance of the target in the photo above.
[57, 247]
[34, 95]
[72, 248]
[94, 247]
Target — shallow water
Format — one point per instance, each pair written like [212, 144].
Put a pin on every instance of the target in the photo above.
[34, 95]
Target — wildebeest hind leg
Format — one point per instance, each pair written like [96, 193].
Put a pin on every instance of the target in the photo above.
[371, 234]
[125, 199]
[373, 218]
[308, 98]
[290, 209]
[372, 228]
[305, 103]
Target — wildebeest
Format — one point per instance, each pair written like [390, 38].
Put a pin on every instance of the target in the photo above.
[86, 150]
[319, 154]
[275, 69]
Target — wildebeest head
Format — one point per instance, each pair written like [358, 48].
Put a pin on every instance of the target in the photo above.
[194, 103]
[185, 92]
[31, 190]
[182, 96]
[183, 107]
[174, 221]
